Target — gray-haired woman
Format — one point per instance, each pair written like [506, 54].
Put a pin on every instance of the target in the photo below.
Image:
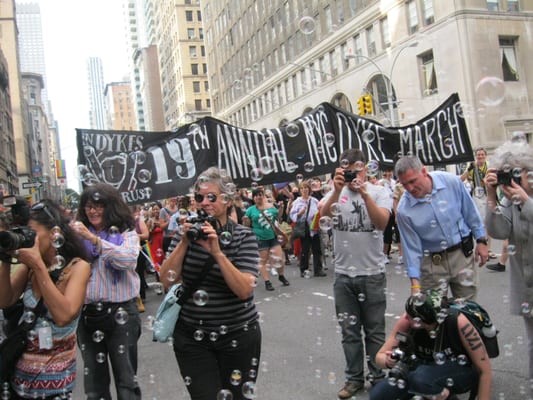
[511, 173]
[217, 339]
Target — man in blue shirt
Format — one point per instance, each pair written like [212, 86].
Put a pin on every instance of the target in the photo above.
[437, 219]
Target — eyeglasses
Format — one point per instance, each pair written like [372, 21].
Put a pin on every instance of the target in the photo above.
[200, 197]
[94, 206]
[42, 207]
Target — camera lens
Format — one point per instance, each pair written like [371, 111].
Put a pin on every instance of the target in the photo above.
[10, 240]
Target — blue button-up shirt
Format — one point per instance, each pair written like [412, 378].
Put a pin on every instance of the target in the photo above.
[436, 222]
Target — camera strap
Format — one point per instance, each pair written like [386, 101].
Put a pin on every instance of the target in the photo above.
[189, 290]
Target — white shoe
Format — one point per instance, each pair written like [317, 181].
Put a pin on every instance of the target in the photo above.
[400, 260]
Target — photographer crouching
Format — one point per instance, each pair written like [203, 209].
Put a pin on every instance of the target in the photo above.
[425, 360]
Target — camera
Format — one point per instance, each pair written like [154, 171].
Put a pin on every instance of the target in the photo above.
[16, 238]
[405, 357]
[195, 232]
[350, 175]
[506, 177]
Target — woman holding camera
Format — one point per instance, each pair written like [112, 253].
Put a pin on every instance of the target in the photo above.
[425, 360]
[217, 339]
[110, 325]
[511, 173]
[51, 272]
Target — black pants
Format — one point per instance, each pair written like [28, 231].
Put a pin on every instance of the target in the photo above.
[211, 365]
[311, 244]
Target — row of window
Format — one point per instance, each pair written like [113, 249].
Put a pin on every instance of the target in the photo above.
[308, 78]
[503, 5]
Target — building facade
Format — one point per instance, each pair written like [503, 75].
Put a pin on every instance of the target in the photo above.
[95, 81]
[120, 109]
[272, 61]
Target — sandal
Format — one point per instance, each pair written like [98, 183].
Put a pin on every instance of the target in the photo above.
[492, 256]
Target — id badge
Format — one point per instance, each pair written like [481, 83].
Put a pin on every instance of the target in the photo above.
[45, 338]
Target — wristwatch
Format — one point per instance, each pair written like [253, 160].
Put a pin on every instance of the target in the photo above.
[482, 240]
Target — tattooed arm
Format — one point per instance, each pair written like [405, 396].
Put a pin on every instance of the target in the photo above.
[476, 351]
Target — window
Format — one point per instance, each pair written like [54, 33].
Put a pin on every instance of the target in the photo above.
[357, 47]
[208, 103]
[190, 33]
[333, 62]
[206, 86]
[329, 19]
[198, 105]
[194, 69]
[204, 68]
[492, 5]
[199, 15]
[193, 53]
[344, 58]
[196, 87]
[202, 50]
[201, 33]
[412, 16]
[429, 74]
[385, 34]
[188, 16]
[508, 57]
[370, 41]
[513, 5]
[429, 15]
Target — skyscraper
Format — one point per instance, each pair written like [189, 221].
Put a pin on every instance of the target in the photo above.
[31, 45]
[95, 77]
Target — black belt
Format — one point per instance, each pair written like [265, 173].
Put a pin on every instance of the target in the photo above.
[105, 305]
[436, 257]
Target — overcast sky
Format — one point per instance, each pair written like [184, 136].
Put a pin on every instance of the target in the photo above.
[74, 30]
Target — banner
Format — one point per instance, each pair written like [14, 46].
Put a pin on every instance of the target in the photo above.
[147, 166]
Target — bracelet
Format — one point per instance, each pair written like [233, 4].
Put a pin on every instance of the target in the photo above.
[416, 287]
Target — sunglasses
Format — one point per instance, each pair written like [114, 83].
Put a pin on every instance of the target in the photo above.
[94, 206]
[200, 197]
[42, 207]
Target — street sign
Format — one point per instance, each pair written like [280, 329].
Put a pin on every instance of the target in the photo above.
[30, 185]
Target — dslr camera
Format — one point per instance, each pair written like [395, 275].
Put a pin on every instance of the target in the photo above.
[19, 235]
[405, 357]
[350, 175]
[506, 177]
[195, 232]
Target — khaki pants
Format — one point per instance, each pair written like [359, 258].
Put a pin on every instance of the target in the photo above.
[453, 271]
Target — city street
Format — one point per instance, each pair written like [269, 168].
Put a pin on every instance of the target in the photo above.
[302, 357]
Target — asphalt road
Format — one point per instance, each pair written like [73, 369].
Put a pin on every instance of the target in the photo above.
[302, 357]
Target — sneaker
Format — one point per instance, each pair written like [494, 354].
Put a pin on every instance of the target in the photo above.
[350, 389]
[284, 280]
[268, 286]
[320, 274]
[496, 267]
[400, 260]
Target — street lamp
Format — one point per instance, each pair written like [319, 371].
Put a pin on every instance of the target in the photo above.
[388, 82]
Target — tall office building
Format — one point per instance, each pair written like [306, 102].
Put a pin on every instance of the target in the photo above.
[272, 61]
[134, 41]
[31, 45]
[178, 30]
[120, 110]
[95, 79]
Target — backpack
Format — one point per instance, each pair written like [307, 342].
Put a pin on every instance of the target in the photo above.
[479, 318]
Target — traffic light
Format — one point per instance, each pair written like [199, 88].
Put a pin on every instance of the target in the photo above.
[367, 103]
[361, 106]
[364, 105]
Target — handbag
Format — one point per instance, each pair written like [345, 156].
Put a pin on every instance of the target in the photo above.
[168, 311]
[301, 228]
[14, 345]
[282, 236]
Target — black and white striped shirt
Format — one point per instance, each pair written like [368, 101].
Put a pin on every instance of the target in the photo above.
[223, 308]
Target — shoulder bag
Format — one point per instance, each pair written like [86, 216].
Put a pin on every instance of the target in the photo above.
[169, 310]
[282, 236]
[301, 228]
[14, 345]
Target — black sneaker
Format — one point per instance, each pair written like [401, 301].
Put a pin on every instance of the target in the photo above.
[320, 274]
[284, 280]
[496, 267]
[268, 286]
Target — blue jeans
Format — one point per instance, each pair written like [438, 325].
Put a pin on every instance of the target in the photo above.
[360, 304]
[210, 365]
[429, 380]
[119, 345]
